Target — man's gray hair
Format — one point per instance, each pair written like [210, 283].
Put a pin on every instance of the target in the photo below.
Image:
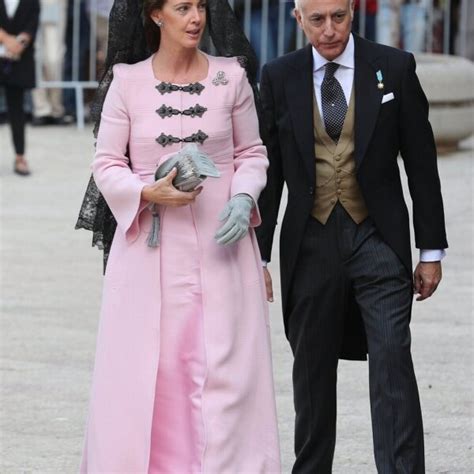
[298, 3]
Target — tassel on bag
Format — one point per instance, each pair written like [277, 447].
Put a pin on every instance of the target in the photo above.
[154, 237]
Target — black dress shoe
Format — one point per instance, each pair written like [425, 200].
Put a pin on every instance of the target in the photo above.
[40, 121]
[64, 120]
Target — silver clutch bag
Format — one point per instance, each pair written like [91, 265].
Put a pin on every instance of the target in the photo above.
[193, 167]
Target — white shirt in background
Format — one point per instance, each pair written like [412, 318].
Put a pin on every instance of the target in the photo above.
[11, 6]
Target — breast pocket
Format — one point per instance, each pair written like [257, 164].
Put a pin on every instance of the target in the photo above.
[388, 110]
[389, 100]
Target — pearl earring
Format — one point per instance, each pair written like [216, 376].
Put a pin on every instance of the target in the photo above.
[159, 23]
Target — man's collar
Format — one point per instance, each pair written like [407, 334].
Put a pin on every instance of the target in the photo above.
[346, 58]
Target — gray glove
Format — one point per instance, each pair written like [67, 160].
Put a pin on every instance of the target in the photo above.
[237, 215]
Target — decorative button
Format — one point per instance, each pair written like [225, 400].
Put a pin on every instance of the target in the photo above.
[333, 201]
[339, 191]
[337, 157]
[199, 137]
[165, 140]
[338, 170]
[166, 111]
[167, 88]
[197, 110]
[338, 180]
[311, 190]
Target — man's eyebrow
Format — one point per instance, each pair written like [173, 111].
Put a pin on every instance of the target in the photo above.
[337, 12]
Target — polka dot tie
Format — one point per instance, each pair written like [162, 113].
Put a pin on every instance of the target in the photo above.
[333, 102]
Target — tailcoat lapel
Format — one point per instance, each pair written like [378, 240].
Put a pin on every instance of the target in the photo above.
[367, 95]
[3, 14]
[19, 11]
[299, 97]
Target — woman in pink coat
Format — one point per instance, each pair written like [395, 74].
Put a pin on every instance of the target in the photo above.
[183, 378]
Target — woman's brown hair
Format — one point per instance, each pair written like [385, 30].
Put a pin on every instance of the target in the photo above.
[152, 31]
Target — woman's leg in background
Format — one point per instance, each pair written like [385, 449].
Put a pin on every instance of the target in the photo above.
[16, 116]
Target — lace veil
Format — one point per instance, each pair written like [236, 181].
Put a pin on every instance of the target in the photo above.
[127, 44]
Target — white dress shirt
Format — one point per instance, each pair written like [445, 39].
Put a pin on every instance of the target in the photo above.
[345, 76]
[11, 6]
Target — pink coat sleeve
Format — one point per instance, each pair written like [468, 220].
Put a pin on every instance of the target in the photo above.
[250, 155]
[120, 187]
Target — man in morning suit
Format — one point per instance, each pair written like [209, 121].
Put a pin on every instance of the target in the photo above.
[339, 111]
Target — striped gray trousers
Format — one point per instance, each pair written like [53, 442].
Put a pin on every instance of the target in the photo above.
[340, 262]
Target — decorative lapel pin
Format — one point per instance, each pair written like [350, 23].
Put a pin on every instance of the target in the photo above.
[380, 79]
[220, 79]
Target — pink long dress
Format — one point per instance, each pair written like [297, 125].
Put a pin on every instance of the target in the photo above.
[183, 378]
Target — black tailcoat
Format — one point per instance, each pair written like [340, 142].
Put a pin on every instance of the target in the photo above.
[382, 131]
[26, 18]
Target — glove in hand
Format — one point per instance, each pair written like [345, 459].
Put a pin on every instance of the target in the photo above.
[236, 213]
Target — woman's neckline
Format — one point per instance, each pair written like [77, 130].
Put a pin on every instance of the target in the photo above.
[204, 79]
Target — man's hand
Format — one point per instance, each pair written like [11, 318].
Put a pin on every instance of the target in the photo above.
[268, 284]
[426, 278]
[13, 46]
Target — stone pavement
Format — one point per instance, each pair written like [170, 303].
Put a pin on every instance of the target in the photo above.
[50, 285]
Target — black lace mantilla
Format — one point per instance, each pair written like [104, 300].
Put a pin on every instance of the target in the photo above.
[126, 44]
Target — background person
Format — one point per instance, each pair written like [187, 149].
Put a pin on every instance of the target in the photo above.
[370, 19]
[272, 24]
[48, 106]
[99, 11]
[18, 26]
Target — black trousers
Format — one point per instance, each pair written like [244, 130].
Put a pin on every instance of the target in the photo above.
[16, 116]
[337, 262]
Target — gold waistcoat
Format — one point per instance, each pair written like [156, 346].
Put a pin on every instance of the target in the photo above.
[336, 170]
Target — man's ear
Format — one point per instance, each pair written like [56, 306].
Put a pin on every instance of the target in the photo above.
[297, 15]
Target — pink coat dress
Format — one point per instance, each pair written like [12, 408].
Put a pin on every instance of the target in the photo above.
[183, 376]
